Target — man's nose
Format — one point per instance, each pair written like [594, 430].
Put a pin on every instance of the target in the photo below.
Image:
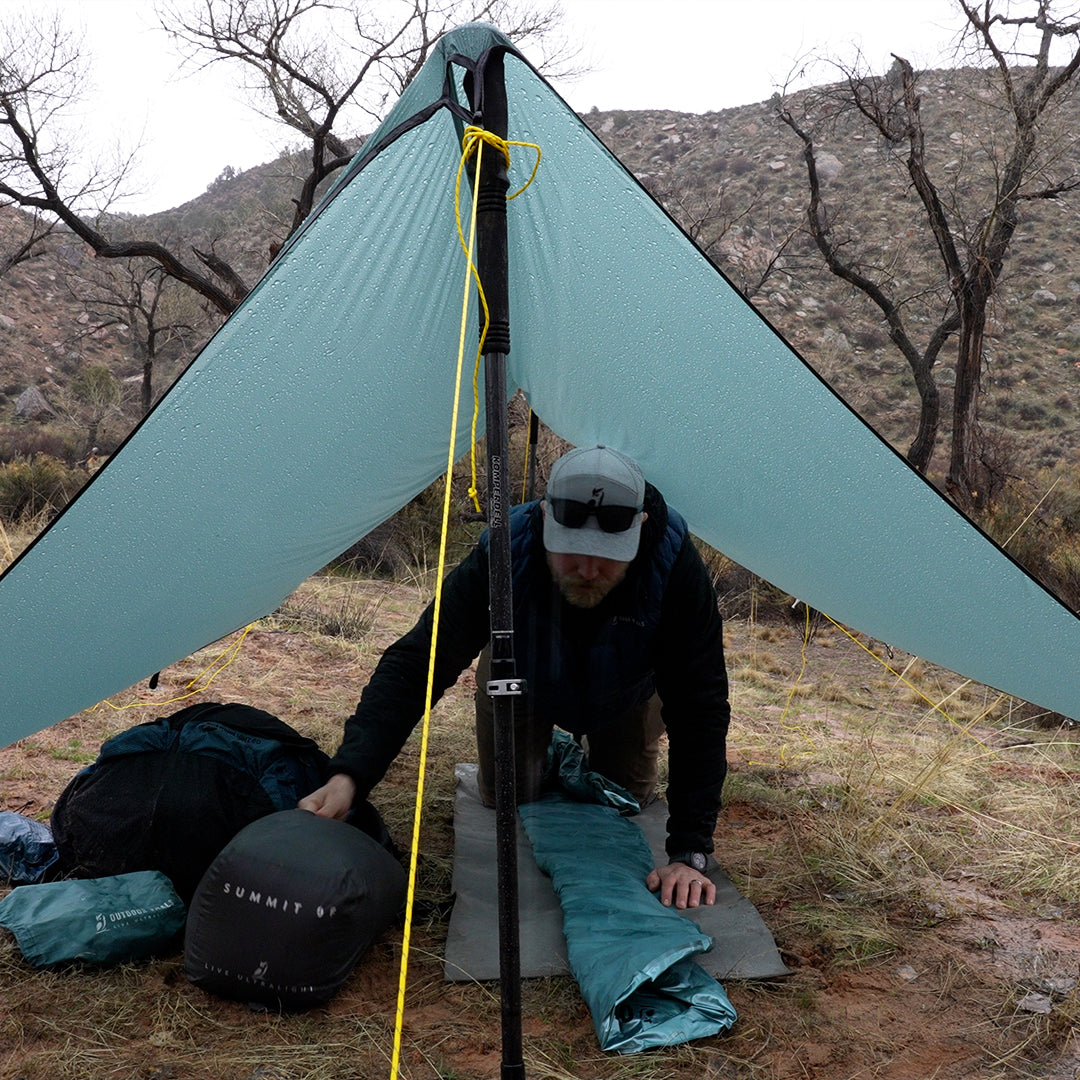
[588, 567]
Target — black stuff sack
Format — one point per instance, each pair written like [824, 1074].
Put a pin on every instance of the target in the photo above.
[286, 911]
[109, 920]
[168, 795]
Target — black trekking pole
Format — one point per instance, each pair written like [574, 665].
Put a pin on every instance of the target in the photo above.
[505, 688]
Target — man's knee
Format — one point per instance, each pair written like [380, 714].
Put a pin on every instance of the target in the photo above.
[531, 741]
[628, 751]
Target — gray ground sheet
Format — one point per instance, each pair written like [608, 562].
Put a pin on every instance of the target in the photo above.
[742, 948]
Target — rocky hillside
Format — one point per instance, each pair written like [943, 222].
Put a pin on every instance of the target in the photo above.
[736, 182]
[748, 169]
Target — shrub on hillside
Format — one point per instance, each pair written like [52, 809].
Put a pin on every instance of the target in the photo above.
[38, 485]
[407, 543]
[740, 592]
[27, 441]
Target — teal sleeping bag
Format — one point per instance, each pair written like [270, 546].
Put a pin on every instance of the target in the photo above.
[631, 956]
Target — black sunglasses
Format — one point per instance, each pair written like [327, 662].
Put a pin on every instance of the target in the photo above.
[612, 519]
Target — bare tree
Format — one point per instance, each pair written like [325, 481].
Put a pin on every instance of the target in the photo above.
[877, 283]
[41, 76]
[315, 63]
[95, 394]
[309, 71]
[143, 299]
[970, 234]
[737, 233]
[25, 239]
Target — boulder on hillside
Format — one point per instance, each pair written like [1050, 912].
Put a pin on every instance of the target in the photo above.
[31, 405]
[829, 167]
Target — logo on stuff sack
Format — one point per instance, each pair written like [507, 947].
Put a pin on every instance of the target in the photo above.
[105, 920]
[271, 902]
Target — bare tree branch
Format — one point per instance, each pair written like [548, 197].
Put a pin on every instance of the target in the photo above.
[972, 241]
[309, 61]
[30, 246]
[40, 73]
[317, 65]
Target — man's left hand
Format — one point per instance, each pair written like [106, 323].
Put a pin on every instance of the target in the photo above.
[681, 885]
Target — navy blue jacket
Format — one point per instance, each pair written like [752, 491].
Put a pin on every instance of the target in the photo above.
[659, 631]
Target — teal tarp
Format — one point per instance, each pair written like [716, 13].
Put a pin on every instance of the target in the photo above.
[323, 405]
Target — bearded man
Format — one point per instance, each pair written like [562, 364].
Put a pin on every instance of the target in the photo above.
[618, 637]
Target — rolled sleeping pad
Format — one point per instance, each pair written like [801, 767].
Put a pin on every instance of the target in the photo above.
[287, 909]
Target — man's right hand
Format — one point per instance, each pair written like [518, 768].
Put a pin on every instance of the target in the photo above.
[333, 800]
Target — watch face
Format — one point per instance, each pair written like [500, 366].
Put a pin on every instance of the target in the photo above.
[698, 860]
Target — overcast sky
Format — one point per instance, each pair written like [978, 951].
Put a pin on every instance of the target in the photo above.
[686, 55]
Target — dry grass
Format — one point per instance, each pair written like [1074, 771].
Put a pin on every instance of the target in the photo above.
[13, 539]
[881, 818]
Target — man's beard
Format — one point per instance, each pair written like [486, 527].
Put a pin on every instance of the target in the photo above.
[582, 593]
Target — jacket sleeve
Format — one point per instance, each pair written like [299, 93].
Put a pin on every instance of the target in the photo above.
[392, 703]
[691, 679]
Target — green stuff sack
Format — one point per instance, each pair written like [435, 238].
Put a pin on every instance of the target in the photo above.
[108, 920]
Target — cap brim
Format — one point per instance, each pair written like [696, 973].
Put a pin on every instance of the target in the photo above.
[590, 539]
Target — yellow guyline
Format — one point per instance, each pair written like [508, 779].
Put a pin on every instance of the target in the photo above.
[935, 706]
[525, 466]
[197, 685]
[473, 141]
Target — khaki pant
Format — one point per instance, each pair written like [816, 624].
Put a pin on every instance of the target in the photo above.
[625, 752]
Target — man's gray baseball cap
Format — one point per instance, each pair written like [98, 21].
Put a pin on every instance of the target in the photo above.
[593, 506]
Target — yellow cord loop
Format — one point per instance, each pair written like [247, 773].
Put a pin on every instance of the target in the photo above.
[473, 142]
[935, 706]
[197, 685]
[474, 136]
[525, 467]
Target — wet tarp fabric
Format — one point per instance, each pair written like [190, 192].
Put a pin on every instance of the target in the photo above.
[324, 404]
[631, 957]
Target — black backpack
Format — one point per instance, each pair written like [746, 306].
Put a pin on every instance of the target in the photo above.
[168, 795]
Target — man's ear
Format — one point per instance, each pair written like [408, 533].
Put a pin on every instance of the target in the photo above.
[644, 516]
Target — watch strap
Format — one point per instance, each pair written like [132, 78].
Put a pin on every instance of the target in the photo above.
[696, 860]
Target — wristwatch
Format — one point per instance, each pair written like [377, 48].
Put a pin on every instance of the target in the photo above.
[697, 860]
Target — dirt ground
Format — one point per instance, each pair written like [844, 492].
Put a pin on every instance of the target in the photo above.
[977, 980]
